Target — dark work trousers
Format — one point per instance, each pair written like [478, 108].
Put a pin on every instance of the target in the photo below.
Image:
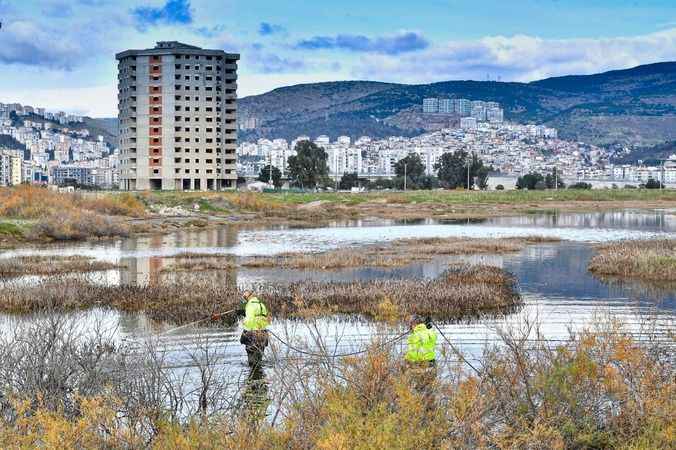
[255, 342]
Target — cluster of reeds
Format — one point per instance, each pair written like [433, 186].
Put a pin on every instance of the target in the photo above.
[199, 262]
[50, 265]
[338, 259]
[394, 254]
[653, 260]
[467, 246]
[461, 292]
[179, 301]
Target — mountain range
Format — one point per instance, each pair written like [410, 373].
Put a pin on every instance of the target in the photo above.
[635, 107]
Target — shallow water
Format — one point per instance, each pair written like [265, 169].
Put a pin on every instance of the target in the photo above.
[557, 289]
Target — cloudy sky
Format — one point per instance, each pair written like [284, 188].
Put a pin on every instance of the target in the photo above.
[61, 53]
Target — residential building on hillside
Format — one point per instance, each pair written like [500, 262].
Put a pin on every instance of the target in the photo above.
[10, 167]
[430, 105]
[446, 106]
[178, 118]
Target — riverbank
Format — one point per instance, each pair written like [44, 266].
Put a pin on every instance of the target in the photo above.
[30, 215]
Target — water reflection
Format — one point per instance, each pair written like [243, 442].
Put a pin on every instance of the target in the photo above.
[553, 278]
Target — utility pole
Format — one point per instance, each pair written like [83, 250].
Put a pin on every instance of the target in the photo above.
[556, 179]
[468, 164]
[270, 167]
[405, 164]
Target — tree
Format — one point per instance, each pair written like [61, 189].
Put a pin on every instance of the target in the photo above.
[530, 181]
[452, 170]
[553, 179]
[653, 184]
[264, 176]
[348, 181]
[308, 167]
[412, 167]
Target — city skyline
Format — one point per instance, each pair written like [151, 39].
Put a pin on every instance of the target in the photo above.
[61, 54]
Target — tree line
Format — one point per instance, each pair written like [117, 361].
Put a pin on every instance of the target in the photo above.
[308, 169]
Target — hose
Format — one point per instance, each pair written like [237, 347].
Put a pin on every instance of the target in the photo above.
[339, 355]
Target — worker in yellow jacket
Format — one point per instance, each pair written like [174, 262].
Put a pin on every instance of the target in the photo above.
[255, 335]
[421, 357]
[421, 343]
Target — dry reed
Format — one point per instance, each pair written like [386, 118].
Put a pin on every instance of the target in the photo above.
[199, 262]
[50, 265]
[462, 291]
[653, 260]
[395, 254]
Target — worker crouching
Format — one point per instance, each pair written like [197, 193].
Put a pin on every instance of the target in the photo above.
[421, 356]
[255, 335]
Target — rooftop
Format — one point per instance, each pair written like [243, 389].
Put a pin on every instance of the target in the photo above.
[168, 47]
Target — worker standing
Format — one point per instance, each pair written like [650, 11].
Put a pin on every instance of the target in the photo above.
[255, 335]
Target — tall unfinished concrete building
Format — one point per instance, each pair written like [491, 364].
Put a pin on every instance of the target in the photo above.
[178, 118]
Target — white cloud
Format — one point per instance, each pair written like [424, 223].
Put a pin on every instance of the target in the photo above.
[519, 58]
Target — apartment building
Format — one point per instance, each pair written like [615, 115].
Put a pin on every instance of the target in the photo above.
[178, 118]
[10, 167]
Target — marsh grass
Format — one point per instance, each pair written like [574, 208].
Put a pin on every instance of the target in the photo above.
[338, 259]
[467, 246]
[650, 260]
[199, 262]
[462, 291]
[398, 253]
[50, 265]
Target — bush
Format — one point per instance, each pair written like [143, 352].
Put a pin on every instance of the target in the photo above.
[499, 187]
[654, 184]
[580, 185]
[72, 225]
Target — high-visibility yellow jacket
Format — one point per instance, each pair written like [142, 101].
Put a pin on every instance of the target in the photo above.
[421, 343]
[255, 315]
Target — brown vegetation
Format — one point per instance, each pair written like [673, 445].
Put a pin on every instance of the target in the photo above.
[30, 202]
[601, 389]
[338, 259]
[467, 246]
[199, 262]
[68, 216]
[50, 265]
[653, 260]
[395, 254]
[462, 291]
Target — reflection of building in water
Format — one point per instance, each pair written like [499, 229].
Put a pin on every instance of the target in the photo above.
[145, 267]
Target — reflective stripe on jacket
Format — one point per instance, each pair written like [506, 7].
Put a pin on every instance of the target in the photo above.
[255, 315]
[421, 343]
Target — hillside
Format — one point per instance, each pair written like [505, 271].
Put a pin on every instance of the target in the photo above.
[633, 106]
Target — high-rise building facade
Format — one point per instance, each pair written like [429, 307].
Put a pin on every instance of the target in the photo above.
[445, 106]
[431, 105]
[177, 112]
